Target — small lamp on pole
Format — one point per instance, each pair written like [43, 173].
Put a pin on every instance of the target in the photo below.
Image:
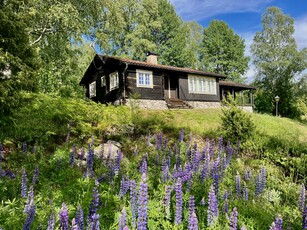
[277, 100]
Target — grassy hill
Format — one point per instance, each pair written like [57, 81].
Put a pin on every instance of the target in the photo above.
[167, 152]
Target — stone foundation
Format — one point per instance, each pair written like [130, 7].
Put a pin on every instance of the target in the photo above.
[247, 108]
[204, 104]
[147, 104]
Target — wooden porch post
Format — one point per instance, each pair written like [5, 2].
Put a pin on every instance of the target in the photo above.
[169, 87]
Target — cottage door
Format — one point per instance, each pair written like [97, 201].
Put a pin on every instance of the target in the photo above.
[170, 86]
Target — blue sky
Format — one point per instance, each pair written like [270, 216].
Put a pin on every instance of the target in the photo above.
[244, 16]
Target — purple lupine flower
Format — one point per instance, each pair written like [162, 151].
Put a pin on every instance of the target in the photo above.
[225, 199]
[191, 210]
[30, 199]
[206, 167]
[51, 222]
[122, 220]
[211, 149]
[278, 223]
[159, 140]
[30, 216]
[193, 222]
[238, 185]
[90, 162]
[74, 225]
[178, 189]
[248, 174]
[143, 168]
[261, 181]
[94, 202]
[202, 201]
[233, 219]
[10, 174]
[24, 184]
[165, 173]
[68, 133]
[35, 175]
[245, 193]
[63, 217]
[195, 161]
[212, 211]
[124, 187]
[117, 162]
[126, 228]
[215, 174]
[167, 201]
[133, 201]
[24, 147]
[181, 136]
[142, 204]
[302, 197]
[220, 145]
[94, 223]
[80, 218]
[304, 217]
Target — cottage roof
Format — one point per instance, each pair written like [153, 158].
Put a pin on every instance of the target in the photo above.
[163, 67]
[236, 85]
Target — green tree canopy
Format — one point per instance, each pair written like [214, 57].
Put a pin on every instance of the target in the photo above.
[277, 61]
[223, 51]
[18, 59]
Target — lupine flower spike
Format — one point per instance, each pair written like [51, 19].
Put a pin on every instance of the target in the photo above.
[122, 220]
[142, 204]
[63, 216]
[212, 207]
[24, 184]
[301, 200]
[51, 222]
[233, 219]
[193, 222]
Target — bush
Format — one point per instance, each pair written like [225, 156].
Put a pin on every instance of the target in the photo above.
[236, 123]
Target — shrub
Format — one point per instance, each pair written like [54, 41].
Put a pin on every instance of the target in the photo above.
[236, 123]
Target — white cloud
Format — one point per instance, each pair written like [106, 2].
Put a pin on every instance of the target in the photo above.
[202, 9]
[300, 33]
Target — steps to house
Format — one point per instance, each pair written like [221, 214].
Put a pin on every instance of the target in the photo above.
[175, 103]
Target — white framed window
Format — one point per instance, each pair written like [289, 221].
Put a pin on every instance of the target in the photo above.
[202, 85]
[103, 81]
[114, 81]
[144, 78]
[92, 89]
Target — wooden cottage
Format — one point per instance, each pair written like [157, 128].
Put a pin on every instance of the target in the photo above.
[118, 80]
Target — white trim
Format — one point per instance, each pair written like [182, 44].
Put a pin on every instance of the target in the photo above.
[202, 84]
[92, 89]
[147, 82]
[103, 81]
[114, 80]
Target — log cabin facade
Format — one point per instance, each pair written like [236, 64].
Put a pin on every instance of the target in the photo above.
[116, 80]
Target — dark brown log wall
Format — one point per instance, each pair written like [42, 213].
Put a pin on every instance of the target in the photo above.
[155, 93]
